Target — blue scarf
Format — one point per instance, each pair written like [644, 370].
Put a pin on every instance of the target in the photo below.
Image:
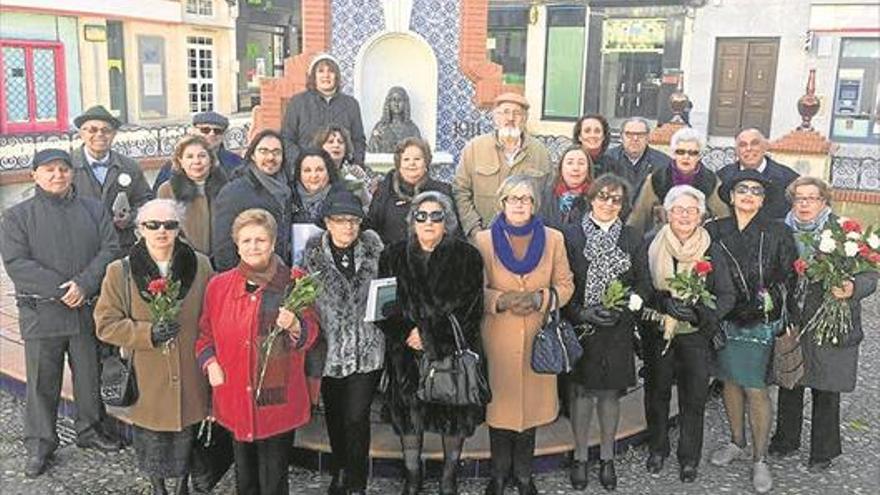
[813, 228]
[501, 229]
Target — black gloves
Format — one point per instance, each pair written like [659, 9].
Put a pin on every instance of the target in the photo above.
[681, 311]
[599, 316]
[163, 331]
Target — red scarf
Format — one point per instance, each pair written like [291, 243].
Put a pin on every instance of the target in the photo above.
[562, 188]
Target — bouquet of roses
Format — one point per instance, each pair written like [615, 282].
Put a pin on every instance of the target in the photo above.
[303, 294]
[162, 294]
[690, 287]
[617, 295]
[842, 250]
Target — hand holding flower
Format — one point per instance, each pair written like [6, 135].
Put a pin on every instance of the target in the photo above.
[843, 292]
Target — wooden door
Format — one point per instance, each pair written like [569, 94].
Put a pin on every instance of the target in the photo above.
[743, 85]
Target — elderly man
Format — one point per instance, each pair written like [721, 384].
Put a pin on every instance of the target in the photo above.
[490, 158]
[212, 126]
[634, 160]
[56, 246]
[106, 175]
[751, 153]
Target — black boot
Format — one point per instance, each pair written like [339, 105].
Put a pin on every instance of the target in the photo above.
[337, 484]
[526, 487]
[158, 485]
[607, 475]
[413, 483]
[495, 487]
[449, 481]
[182, 485]
[578, 474]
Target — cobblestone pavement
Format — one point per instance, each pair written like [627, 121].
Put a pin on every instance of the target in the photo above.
[857, 472]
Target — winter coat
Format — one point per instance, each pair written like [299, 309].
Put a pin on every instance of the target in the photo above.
[616, 162]
[229, 333]
[387, 215]
[427, 295]
[240, 194]
[228, 161]
[776, 205]
[137, 190]
[482, 169]
[553, 216]
[521, 398]
[48, 240]
[607, 363]
[353, 345]
[196, 225]
[654, 190]
[173, 391]
[309, 112]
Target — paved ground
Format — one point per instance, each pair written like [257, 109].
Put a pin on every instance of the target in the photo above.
[857, 472]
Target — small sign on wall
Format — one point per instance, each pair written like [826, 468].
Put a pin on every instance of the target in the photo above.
[95, 32]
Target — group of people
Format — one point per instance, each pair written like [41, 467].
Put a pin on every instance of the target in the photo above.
[478, 263]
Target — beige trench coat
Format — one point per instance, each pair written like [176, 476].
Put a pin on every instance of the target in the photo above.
[521, 398]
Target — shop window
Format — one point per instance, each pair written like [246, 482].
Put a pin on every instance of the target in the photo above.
[857, 95]
[200, 7]
[200, 68]
[564, 59]
[507, 30]
[34, 97]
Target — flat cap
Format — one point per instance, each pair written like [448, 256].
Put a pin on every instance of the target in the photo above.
[97, 112]
[47, 155]
[511, 97]
[211, 118]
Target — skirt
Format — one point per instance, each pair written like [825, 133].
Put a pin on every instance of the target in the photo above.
[746, 357]
[165, 454]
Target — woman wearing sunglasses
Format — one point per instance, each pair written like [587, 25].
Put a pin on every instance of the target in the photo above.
[686, 169]
[760, 252]
[427, 296]
[173, 391]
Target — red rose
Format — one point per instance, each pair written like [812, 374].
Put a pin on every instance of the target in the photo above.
[297, 273]
[800, 266]
[864, 249]
[157, 286]
[703, 268]
[874, 258]
[851, 226]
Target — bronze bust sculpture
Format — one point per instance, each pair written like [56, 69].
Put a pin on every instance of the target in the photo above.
[395, 124]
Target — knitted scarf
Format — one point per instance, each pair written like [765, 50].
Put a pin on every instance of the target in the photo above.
[667, 247]
[275, 184]
[813, 227]
[501, 229]
[312, 202]
[607, 261]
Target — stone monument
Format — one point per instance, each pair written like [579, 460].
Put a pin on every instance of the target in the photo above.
[395, 124]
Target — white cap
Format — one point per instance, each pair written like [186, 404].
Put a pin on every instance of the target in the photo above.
[322, 56]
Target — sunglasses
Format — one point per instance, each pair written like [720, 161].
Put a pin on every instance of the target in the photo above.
[687, 152]
[208, 130]
[615, 199]
[436, 216]
[753, 190]
[155, 224]
[104, 131]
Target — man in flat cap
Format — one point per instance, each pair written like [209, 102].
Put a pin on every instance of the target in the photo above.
[55, 247]
[211, 126]
[106, 175]
[490, 158]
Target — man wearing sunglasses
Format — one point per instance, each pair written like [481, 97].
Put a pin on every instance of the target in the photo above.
[211, 126]
[56, 269]
[751, 154]
[107, 175]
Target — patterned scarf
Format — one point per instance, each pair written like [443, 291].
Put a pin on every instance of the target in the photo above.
[607, 261]
[813, 227]
[501, 229]
[566, 196]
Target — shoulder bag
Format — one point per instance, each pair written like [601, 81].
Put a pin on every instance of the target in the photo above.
[555, 349]
[455, 380]
[118, 382]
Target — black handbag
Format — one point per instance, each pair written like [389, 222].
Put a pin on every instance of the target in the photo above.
[455, 380]
[556, 348]
[118, 381]
[212, 456]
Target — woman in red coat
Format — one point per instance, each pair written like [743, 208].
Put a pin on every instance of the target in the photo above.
[241, 309]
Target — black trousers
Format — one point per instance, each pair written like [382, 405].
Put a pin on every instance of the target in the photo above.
[347, 412]
[825, 430]
[44, 369]
[261, 466]
[512, 451]
[686, 363]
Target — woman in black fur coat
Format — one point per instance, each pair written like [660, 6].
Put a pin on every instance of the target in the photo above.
[438, 275]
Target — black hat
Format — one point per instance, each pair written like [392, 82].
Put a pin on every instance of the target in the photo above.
[97, 112]
[342, 203]
[211, 118]
[740, 176]
[45, 156]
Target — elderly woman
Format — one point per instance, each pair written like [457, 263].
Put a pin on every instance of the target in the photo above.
[315, 178]
[685, 359]
[246, 334]
[601, 250]
[346, 260]
[195, 182]
[687, 169]
[393, 198]
[173, 391]
[564, 201]
[323, 103]
[828, 369]
[359, 178]
[523, 261]
[428, 298]
[593, 134]
[761, 253]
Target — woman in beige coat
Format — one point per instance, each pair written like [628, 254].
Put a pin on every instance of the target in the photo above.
[523, 259]
[173, 391]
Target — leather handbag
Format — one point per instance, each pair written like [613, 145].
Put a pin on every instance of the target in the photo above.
[458, 379]
[788, 356]
[556, 348]
[118, 382]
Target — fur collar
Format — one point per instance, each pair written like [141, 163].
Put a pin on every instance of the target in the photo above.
[184, 266]
[438, 294]
[185, 190]
[366, 255]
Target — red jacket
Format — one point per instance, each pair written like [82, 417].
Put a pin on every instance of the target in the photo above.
[228, 333]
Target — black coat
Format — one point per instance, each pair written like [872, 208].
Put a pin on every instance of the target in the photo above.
[47, 241]
[553, 216]
[617, 163]
[450, 281]
[387, 215]
[308, 112]
[607, 363]
[776, 205]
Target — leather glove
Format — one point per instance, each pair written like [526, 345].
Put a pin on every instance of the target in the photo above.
[163, 331]
[528, 302]
[681, 311]
[597, 315]
[509, 299]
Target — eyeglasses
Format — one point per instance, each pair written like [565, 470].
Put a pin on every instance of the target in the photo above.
[435, 216]
[510, 113]
[680, 152]
[753, 190]
[104, 131]
[155, 224]
[350, 221]
[267, 151]
[519, 200]
[615, 199]
[634, 135]
[690, 211]
[807, 200]
[208, 130]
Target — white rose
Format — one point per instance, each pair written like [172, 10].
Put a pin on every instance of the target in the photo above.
[854, 236]
[635, 302]
[850, 248]
[124, 179]
[827, 245]
[827, 234]
[874, 241]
